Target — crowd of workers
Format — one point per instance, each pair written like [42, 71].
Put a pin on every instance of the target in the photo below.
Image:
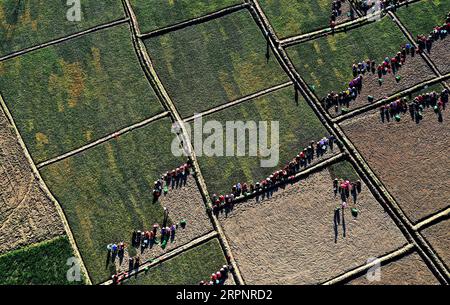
[171, 179]
[415, 107]
[286, 174]
[425, 42]
[219, 277]
[345, 188]
[341, 100]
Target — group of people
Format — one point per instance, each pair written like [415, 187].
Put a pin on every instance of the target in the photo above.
[286, 174]
[174, 178]
[219, 277]
[416, 106]
[344, 97]
[148, 238]
[345, 188]
[366, 5]
[116, 250]
[336, 11]
[425, 42]
[389, 65]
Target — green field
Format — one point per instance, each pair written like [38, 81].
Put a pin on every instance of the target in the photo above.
[67, 95]
[212, 63]
[326, 62]
[421, 17]
[188, 268]
[298, 126]
[157, 14]
[294, 17]
[106, 191]
[343, 170]
[26, 23]
[38, 264]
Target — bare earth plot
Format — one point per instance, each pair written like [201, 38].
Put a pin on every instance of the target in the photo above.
[298, 126]
[106, 193]
[26, 214]
[438, 236]
[326, 62]
[67, 95]
[290, 239]
[410, 159]
[27, 23]
[156, 14]
[408, 270]
[294, 17]
[188, 268]
[420, 18]
[208, 64]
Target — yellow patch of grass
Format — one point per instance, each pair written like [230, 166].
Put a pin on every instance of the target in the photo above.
[332, 43]
[88, 135]
[96, 57]
[41, 139]
[229, 90]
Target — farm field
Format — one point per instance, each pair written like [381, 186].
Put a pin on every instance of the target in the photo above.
[408, 270]
[67, 95]
[420, 19]
[106, 193]
[215, 62]
[26, 214]
[414, 152]
[160, 13]
[311, 252]
[188, 268]
[38, 264]
[297, 17]
[298, 126]
[94, 113]
[438, 237]
[27, 23]
[326, 62]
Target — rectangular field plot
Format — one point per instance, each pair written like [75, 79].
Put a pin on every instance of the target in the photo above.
[439, 238]
[188, 268]
[326, 62]
[65, 96]
[420, 19]
[106, 193]
[294, 17]
[208, 64]
[156, 14]
[26, 214]
[298, 126]
[298, 236]
[408, 270]
[38, 264]
[27, 23]
[409, 158]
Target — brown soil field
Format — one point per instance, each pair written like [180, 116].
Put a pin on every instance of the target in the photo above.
[408, 270]
[183, 203]
[410, 159]
[26, 213]
[290, 238]
[413, 72]
[440, 56]
[438, 236]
